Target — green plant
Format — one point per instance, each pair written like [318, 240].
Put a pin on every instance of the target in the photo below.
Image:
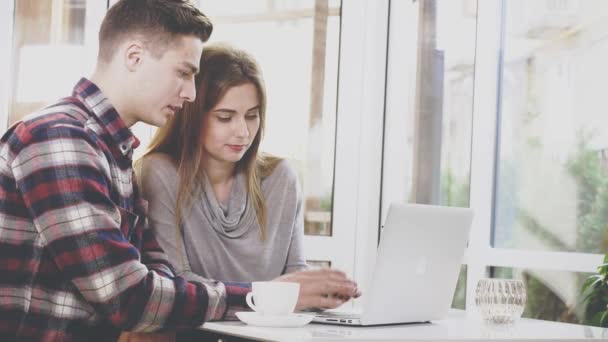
[454, 193]
[595, 292]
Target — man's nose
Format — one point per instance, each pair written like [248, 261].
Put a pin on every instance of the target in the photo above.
[188, 92]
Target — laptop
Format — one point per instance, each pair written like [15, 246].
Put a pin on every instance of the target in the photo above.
[417, 266]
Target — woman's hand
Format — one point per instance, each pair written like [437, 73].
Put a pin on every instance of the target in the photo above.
[324, 288]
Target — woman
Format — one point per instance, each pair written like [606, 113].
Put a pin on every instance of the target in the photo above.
[220, 209]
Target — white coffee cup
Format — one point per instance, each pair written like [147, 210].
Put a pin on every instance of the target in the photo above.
[273, 297]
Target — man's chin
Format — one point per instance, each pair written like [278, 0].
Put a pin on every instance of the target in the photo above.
[160, 122]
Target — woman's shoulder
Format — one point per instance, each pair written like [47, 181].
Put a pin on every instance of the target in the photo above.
[281, 171]
[157, 163]
[157, 159]
[270, 166]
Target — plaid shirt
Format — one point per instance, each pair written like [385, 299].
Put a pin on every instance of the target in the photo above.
[76, 258]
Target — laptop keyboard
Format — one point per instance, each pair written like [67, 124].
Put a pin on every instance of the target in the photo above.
[338, 315]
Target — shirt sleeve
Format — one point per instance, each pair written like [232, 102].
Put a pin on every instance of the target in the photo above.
[64, 180]
[159, 187]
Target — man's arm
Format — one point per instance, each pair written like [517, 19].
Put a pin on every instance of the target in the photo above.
[64, 182]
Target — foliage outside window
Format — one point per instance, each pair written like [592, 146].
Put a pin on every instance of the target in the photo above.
[595, 290]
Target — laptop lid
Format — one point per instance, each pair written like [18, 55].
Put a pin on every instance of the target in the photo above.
[417, 265]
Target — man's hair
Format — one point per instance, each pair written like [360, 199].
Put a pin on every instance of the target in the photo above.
[156, 22]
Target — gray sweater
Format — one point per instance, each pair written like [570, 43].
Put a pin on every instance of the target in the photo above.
[224, 243]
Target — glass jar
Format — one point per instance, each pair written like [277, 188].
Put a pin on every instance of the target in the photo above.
[500, 301]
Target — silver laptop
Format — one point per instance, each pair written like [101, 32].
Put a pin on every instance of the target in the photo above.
[417, 266]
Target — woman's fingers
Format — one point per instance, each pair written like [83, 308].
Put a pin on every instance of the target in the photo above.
[345, 288]
[322, 288]
[318, 301]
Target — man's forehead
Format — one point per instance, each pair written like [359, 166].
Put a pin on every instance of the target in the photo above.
[187, 52]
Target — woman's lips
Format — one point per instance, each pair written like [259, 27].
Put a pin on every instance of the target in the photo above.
[237, 148]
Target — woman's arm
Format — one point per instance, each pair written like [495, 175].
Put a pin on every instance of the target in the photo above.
[159, 183]
[295, 257]
[323, 288]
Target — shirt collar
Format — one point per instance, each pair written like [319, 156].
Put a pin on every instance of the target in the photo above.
[106, 114]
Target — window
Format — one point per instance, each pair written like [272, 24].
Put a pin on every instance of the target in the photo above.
[549, 219]
[444, 103]
[552, 178]
[460, 295]
[54, 44]
[514, 129]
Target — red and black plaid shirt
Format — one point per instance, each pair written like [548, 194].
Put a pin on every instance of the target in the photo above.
[76, 258]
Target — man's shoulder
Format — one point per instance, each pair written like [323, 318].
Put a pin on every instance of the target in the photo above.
[67, 111]
[66, 118]
[67, 114]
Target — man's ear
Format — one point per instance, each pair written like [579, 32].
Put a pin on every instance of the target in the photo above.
[133, 55]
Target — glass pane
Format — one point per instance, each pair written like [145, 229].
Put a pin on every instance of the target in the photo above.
[552, 295]
[444, 102]
[552, 181]
[460, 295]
[296, 43]
[52, 48]
[319, 263]
[457, 29]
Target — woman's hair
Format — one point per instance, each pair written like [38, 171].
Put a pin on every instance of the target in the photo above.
[221, 68]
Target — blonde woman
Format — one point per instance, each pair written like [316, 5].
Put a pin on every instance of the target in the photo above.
[220, 209]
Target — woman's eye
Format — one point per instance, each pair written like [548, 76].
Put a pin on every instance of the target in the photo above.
[252, 116]
[223, 119]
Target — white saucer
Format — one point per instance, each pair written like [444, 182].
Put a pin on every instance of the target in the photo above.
[283, 321]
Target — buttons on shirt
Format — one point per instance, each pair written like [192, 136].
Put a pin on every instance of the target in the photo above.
[124, 148]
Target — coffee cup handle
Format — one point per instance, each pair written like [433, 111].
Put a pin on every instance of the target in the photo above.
[249, 301]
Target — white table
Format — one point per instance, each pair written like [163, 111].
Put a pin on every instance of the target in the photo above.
[457, 326]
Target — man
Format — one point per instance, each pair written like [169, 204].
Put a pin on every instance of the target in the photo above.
[76, 260]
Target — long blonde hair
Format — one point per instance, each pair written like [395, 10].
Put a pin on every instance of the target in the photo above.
[221, 68]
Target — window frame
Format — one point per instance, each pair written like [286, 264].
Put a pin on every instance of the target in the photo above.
[7, 13]
[359, 134]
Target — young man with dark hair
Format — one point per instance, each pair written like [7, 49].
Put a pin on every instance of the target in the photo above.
[76, 260]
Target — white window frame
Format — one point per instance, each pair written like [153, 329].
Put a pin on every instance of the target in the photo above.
[359, 126]
[7, 11]
[480, 255]
[95, 12]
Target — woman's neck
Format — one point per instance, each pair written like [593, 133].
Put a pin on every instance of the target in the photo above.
[221, 176]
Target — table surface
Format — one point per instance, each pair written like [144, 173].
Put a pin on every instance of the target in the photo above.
[458, 325]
